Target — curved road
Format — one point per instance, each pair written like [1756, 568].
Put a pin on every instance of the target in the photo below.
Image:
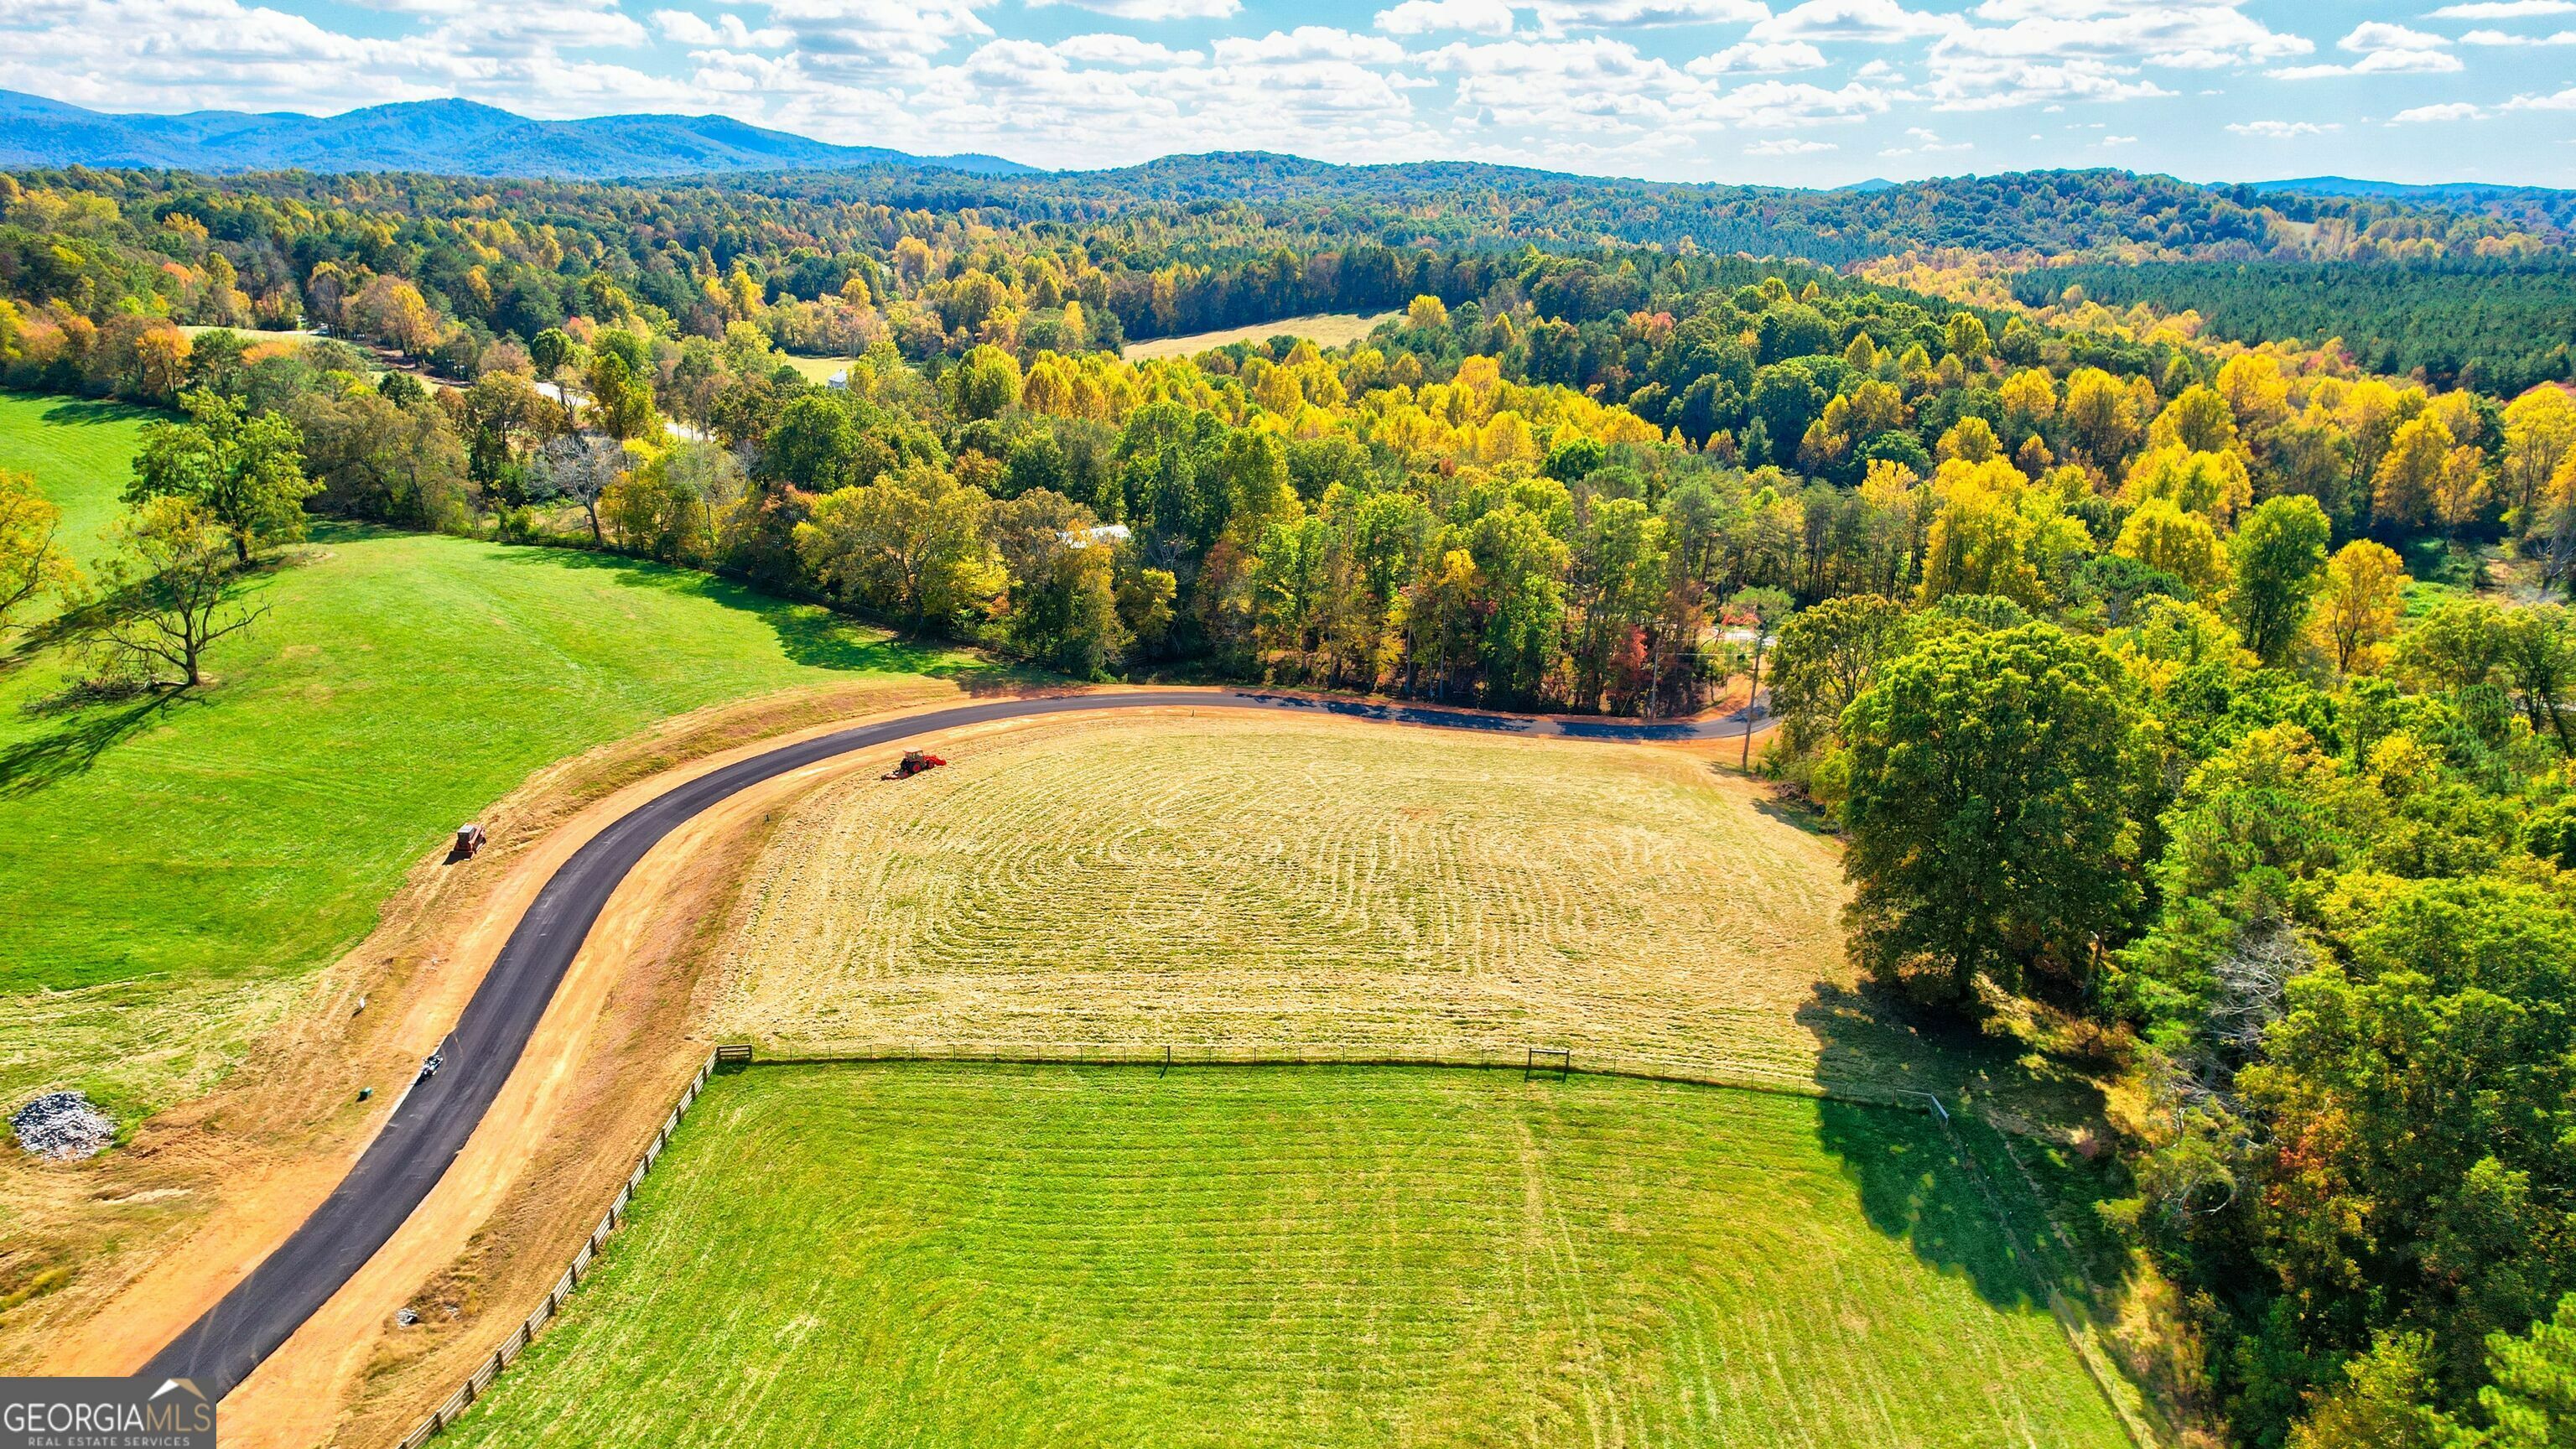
[430, 1125]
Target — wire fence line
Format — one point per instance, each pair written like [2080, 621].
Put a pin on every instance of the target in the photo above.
[1556, 1061]
[500, 1358]
[1560, 1062]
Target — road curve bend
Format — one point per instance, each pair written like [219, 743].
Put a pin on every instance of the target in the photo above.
[430, 1125]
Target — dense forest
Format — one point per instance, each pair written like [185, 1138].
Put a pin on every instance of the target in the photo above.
[2099, 643]
[2498, 326]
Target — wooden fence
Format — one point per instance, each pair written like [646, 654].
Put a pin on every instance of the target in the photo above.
[517, 1343]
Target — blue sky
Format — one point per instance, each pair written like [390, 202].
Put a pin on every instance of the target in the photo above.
[1817, 93]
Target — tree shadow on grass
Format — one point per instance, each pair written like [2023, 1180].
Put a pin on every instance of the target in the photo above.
[85, 731]
[1915, 1181]
[808, 634]
[1913, 1186]
[96, 412]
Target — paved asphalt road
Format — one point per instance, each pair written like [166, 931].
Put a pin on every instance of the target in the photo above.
[430, 1124]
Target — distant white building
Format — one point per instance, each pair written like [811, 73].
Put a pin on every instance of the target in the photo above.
[1112, 534]
[839, 381]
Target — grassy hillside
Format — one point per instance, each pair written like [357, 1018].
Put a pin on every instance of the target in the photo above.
[81, 453]
[166, 865]
[1295, 1256]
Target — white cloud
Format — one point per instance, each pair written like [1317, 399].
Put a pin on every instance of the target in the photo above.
[2504, 9]
[1788, 146]
[1122, 50]
[1881, 22]
[728, 30]
[1754, 57]
[2110, 141]
[1926, 143]
[866, 38]
[1421, 17]
[2561, 101]
[2385, 50]
[2448, 111]
[1307, 43]
[2201, 35]
[1152, 9]
[2376, 35]
[2384, 62]
[2498, 37]
[1772, 105]
[1555, 17]
[2283, 130]
[1987, 83]
[1564, 84]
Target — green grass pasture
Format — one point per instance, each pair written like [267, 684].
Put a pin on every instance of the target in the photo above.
[170, 866]
[932, 1255]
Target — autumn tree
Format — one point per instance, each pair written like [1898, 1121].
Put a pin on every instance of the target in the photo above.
[2358, 607]
[912, 544]
[30, 563]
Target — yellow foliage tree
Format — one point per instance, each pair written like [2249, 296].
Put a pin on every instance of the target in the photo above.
[2164, 536]
[2357, 610]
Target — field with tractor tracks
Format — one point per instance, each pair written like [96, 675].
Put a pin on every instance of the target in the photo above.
[1263, 885]
[930, 1255]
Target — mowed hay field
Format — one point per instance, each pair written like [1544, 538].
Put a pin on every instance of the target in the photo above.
[172, 867]
[1251, 883]
[1324, 329]
[932, 1255]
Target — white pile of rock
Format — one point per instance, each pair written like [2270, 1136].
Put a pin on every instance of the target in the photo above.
[63, 1126]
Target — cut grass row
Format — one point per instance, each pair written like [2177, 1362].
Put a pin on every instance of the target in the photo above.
[931, 1255]
[169, 868]
[1268, 885]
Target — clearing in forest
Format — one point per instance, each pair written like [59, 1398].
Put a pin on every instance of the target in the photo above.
[1324, 329]
[937, 1255]
[1234, 884]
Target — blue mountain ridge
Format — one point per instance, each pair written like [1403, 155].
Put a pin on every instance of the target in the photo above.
[450, 137]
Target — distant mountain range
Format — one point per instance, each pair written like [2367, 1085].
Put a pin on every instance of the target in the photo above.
[2520, 203]
[456, 138]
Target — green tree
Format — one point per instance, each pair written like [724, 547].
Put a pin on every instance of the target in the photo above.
[170, 591]
[2417, 1096]
[1989, 811]
[1827, 657]
[247, 473]
[2277, 560]
[2539, 656]
[911, 543]
[2530, 1399]
[986, 383]
[551, 350]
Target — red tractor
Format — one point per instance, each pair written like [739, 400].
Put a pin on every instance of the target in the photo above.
[914, 762]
